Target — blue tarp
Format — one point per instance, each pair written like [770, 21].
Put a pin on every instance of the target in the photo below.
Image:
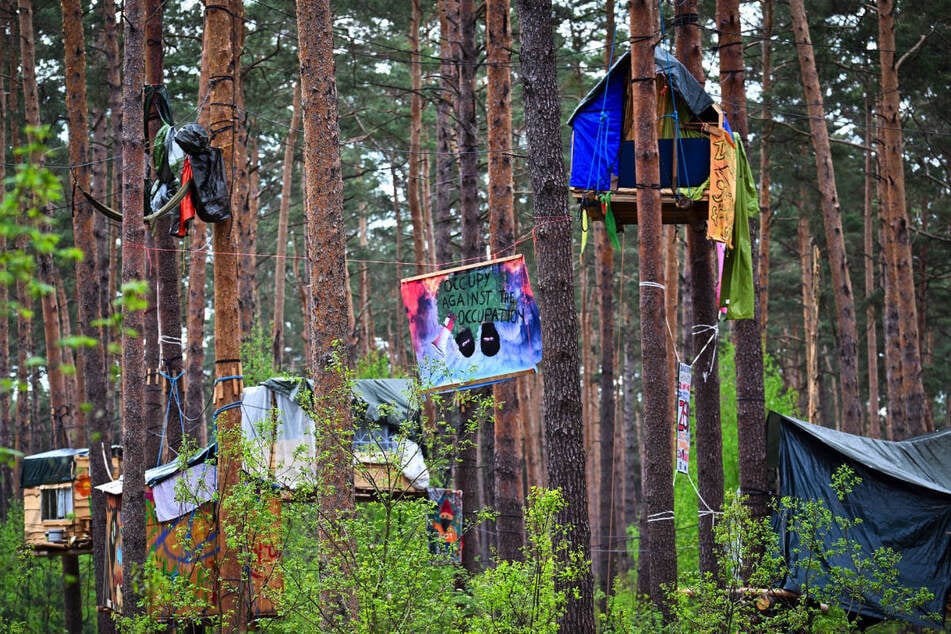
[597, 121]
[903, 502]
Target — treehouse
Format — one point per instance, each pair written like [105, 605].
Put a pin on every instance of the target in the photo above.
[692, 136]
[56, 510]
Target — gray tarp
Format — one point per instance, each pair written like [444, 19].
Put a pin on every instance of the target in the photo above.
[904, 502]
[685, 85]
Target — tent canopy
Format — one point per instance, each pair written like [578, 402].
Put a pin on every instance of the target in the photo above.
[598, 120]
[913, 476]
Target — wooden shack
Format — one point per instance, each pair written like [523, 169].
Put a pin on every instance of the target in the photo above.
[182, 527]
[57, 516]
[691, 132]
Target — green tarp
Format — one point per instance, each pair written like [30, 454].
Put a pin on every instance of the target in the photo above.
[50, 467]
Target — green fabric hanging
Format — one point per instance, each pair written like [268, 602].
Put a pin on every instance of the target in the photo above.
[609, 223]
[738, 294]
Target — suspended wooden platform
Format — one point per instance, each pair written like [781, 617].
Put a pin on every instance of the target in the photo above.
[675, 209]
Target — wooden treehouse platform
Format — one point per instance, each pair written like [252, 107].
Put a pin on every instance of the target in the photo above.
[675, 209]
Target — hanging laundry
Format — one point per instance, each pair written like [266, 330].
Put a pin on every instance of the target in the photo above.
[212, 199]
[738, 294]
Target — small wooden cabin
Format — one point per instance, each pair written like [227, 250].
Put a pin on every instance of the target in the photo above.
[183, 540]
[602, 143]
[57, 513]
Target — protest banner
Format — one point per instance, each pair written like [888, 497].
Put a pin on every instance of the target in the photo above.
[473, 325]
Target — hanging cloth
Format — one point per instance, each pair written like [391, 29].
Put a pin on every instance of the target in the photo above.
[738, 294]
[723, 166]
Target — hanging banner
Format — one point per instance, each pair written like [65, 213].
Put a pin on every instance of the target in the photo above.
[722, 187]
[445, 524]
[473, 325]
[683, 419]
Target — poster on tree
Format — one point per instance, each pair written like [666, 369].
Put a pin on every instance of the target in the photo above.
[683, 419]
[473, 325]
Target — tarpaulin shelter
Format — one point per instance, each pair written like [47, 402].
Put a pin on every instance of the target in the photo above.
[904, 502]
[386, 421]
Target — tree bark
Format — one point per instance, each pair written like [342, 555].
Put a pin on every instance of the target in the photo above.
[221, 68]
[852, 408]
[871, 322]
[658, 484]
[915, 415]
[92, 365]
[473, 245]
[195, 331]
[446, 166]
[415, 130]
[809, 264]
[563, 431]
[329, 293]
[508, 429]
[134, 545]
[280, 262]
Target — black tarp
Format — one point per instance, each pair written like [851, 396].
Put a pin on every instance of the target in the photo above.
[903, 501]
[50, 467]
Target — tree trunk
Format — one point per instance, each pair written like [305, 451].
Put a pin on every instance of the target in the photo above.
[195, 331]
[92, 364]
[871, 321]
[280, 262]
[328, 298]
[415, 130]
[852, 408]
[809, 263]
[221, 69]
[134, 545]
[656, 394]
[765, 149]
[706, 378]
[508, 429]
[7, 421]
[915, 417]
[563, 431]
[473, 246]
[445, 133]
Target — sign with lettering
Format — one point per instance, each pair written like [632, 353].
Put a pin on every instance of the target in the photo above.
[473, 325]
[683, 419]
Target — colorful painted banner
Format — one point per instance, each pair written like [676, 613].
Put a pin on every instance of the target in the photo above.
[683, 419]
[473, 325]
[722, 187]
[445, 523]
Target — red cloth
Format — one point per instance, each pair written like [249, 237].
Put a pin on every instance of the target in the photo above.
[187, 207]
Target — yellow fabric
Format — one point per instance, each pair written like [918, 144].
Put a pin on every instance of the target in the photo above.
[722, 187]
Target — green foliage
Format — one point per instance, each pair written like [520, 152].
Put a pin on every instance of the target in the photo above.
[866, 574]
[31, 597]
[376, 365]
[524, 596]
[257, 360]
[749, 564]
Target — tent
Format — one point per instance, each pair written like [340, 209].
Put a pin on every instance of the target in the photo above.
[904, 502]
[601, 148]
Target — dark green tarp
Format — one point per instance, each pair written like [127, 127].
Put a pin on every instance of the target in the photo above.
[904, 502]
[50, 467]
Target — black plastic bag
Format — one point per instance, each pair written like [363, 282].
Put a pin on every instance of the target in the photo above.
[212, 199]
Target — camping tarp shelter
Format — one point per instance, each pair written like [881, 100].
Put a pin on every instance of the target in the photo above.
[597, 122]
[904, 502]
